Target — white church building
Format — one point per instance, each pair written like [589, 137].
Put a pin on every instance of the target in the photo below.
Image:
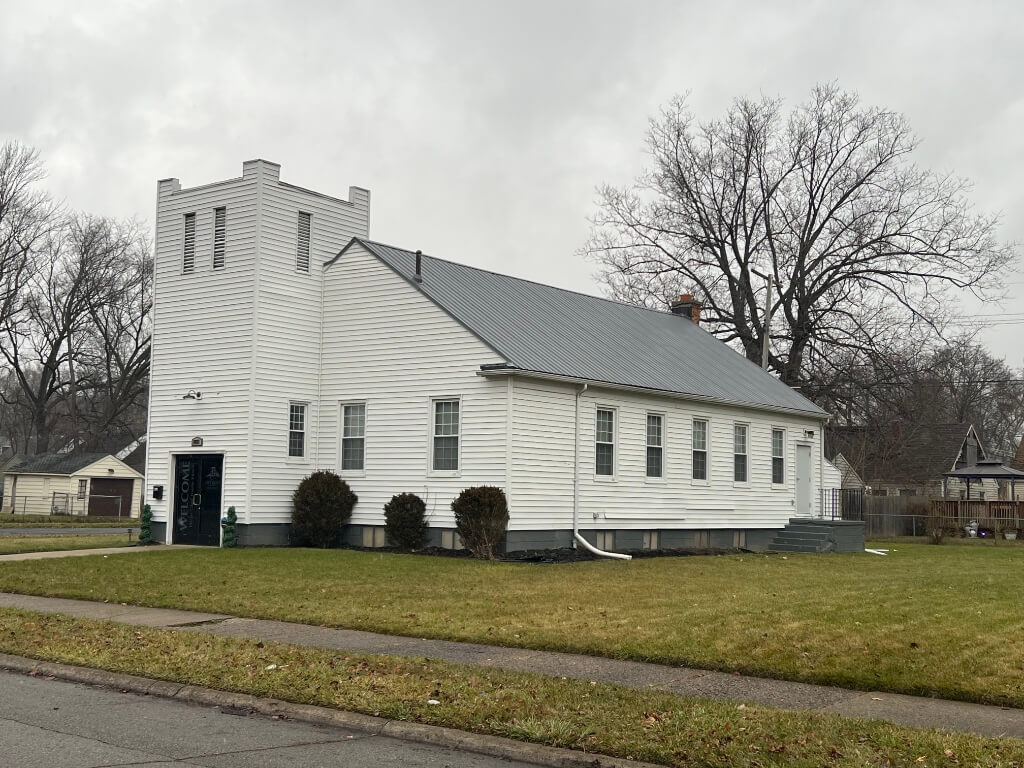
[286, 341]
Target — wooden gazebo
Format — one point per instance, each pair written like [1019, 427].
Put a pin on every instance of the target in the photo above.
[989, 512]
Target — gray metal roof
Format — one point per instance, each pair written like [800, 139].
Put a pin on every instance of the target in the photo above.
[54, 463]
[550, 330]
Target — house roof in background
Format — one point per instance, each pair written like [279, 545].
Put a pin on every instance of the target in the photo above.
[543, 329]
[1018, 461]
[55, 463]
[915, 455]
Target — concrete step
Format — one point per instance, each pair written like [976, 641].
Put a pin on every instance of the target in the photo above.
[820, 530]
[800, 537]
[794, 548]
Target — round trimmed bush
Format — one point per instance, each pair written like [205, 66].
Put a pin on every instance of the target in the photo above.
[323, 504]
[481, 517]
[405, 521]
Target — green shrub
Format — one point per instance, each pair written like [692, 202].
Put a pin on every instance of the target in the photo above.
[230, 530]
[323, 504]
[146, 525]
[481, 516]
[405, 521]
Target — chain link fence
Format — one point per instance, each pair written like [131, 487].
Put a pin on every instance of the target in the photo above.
[95, 505]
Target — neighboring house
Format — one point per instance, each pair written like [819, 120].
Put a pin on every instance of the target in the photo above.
[1018, 463]
[134, 455]
[7, 459]
[285, 341]
[911, 461]
[69, 483]
[849, 479]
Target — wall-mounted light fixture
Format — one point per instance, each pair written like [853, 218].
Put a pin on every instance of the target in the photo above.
[192, 395]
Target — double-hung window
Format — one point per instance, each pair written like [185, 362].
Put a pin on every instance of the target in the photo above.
[83, 488]
[699, 445]
[605, 461]
[297, 430]
[220, 216]
[739, 453]
[446, 436]
[655, 445]
[778, 456]
[353, 436]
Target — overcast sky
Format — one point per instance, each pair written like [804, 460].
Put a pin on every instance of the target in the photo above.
[482, 128]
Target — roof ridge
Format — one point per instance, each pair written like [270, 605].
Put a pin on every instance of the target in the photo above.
[616, 302]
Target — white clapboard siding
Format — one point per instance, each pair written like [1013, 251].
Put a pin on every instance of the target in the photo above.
[202, 333]
[288, 333]
[542, 463]
[246, 333]
[389, 346]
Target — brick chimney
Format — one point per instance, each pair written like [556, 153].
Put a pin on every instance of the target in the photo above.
[687, 306]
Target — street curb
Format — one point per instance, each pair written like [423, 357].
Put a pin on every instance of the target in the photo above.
[494, 746]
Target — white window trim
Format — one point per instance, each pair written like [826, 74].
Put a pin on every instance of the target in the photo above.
[746, 447]
[304, 458]
[785, 468]
[341, 435]
[664, 447]
[614, 444]
[706, 481]
[431, 472]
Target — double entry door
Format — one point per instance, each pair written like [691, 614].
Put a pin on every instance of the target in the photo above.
[198, 480]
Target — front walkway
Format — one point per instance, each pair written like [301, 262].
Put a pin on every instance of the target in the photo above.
[905, 710]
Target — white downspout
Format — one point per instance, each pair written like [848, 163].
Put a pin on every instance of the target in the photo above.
[577, 538]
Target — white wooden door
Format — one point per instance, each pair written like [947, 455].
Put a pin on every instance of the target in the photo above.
[803, 481]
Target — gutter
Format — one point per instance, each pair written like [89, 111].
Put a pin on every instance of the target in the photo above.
[576, 536]
[506, 369]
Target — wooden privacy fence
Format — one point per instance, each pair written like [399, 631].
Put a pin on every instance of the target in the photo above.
[988, 514]
[888, 516]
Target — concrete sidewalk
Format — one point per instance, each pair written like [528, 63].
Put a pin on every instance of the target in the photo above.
[93, 531]
[905, 710]
[84, 552]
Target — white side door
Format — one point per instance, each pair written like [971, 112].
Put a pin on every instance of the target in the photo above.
[803, 481]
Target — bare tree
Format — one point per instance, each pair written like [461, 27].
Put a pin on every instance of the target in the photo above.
[858, 241]
[25, 216]
[72, 324]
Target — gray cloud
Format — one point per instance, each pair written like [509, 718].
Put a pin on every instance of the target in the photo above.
[482, 129]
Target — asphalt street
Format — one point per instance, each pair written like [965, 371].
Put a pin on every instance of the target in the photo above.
[47, 723]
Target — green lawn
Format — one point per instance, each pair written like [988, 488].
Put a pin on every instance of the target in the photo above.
[10, 545]
[66, 521]
[642, 725]
[931, 620]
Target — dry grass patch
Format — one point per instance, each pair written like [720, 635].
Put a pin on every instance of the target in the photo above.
[927, 620]
[643, 725]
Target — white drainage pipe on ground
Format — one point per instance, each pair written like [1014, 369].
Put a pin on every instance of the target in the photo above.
[600, 552]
